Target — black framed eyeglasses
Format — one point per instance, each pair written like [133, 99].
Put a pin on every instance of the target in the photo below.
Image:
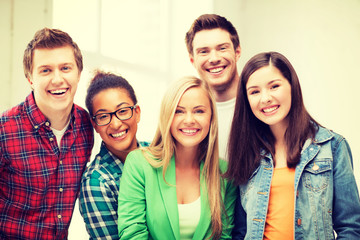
[122, 114]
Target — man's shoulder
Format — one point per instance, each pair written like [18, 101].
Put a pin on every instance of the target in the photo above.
[81, 113]
[82, 119]
[13, 112]
[13, 117]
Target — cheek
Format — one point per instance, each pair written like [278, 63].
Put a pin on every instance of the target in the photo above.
[173, 126]
[133, 126]
[252, 103]
[206, 122]
[200, 61]
[101, 131]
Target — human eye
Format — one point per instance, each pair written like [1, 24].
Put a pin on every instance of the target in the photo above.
[223, 47]
[274, 86]
[179, 111]
[123, 111]
[253, 92]
[102, 118]
[202, 51]
[66, 68]
[44, 71]
[199, 110]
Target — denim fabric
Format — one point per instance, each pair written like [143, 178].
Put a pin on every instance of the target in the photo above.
[326, 195]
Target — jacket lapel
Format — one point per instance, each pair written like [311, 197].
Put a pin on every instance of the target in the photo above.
[169, 197]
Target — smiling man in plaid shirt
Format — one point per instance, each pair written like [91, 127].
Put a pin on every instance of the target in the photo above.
[45, 143]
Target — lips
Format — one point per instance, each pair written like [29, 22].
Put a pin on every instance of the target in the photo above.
[119, 134]
[189, 131]
[216, 70]
[58, 91]
[270, 109]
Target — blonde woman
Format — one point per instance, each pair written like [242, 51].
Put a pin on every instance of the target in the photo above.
[174, 188]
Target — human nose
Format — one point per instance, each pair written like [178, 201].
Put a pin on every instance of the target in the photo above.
[214, 57]
[57, 77]
[265, 97]
[189, 118]
[115, 121]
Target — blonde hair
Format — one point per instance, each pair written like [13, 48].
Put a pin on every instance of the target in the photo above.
[162, 148]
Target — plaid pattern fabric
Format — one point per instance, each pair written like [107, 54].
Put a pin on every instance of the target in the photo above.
[98, 199]
[39, 181]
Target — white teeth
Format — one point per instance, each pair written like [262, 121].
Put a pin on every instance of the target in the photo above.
[116, 135]
[58, 91]
[189, 130]
[266, 110]
[216, 70]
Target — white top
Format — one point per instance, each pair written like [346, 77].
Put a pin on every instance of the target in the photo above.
[189, 216]
[225, 116]
[59, 133]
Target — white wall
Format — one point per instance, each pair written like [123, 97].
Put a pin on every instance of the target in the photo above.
[321, 38]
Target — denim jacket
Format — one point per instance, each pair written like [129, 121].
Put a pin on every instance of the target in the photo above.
[326, 195]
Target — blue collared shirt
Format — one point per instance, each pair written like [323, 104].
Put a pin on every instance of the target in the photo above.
[98, 200]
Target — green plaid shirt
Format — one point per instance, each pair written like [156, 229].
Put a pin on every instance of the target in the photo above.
[98, 200]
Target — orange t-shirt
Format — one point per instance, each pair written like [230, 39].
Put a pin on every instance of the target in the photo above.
[279, 223]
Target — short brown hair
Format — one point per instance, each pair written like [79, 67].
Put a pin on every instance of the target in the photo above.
[208, 22]
[49, 38]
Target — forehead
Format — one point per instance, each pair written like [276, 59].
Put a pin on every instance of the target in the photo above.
[50, 56]
[195, 96]
[265, 75]
[112, 97]
[211, 37]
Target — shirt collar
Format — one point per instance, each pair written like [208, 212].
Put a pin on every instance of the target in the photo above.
[36, 117]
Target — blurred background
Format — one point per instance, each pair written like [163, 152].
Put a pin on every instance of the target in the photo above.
[143, 40]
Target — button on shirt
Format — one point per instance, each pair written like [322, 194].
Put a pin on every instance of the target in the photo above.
[39, 181]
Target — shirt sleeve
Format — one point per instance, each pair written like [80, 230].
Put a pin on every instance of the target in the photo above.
[98, 206]
[132, 203]
[346, 212]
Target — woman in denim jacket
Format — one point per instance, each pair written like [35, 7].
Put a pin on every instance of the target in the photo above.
[296, 178]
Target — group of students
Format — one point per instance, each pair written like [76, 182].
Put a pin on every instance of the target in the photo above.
[233, 157]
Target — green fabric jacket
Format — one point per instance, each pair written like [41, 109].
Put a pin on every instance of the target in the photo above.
[148, 205]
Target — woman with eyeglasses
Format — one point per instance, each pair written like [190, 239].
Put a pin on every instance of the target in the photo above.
[111, 102]
[174, 188]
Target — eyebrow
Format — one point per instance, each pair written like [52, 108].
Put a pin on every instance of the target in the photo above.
[105, 110]
[218, 45]
[269, 83]
[198, 106]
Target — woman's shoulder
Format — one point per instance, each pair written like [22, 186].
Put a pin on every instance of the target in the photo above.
[139, 158]
[324, 134]
[136, 155]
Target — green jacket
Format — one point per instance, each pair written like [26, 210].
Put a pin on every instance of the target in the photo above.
[148, 205]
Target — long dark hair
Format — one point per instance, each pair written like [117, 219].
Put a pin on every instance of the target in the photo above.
[249, 136]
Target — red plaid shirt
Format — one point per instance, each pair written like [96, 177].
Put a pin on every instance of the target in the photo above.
[39, 182]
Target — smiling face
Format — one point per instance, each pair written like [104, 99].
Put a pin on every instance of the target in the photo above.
[54, 79]
[269, 95]
[192, 118]
[214, 58]
[118, 136]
